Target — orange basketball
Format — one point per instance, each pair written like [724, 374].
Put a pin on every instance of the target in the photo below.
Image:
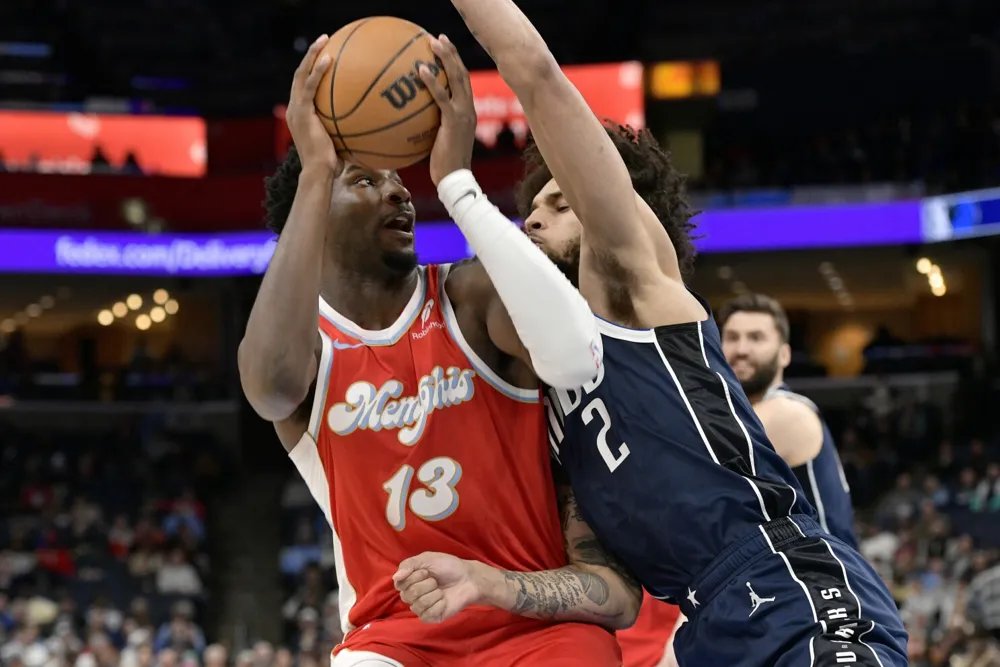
[372, 100]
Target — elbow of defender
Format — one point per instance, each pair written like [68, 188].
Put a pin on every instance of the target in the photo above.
[622, 611]
[273, 390]
[630, 614]
[623, 621]
[628, 608]
[580, 361]
[529, 68]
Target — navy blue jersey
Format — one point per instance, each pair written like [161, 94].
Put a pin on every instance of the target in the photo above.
[667, 458]
[823, 480]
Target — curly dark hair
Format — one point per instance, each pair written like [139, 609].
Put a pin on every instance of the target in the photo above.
[279, 191]
[654, 178]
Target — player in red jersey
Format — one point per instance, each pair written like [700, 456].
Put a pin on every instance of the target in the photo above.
[414, 413]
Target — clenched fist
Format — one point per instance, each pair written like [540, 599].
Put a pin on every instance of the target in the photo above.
[437, 586]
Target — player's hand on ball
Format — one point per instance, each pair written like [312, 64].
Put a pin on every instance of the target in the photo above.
[312, 141]
[453, 146]
[436, 586]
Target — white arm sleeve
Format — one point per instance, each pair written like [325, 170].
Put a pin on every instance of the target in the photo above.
[551, 317]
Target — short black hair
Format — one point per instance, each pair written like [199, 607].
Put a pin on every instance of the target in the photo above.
[654, 178]
[756, 303]
[279, 191]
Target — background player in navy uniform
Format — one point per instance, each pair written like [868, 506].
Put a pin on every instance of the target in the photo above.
[755, 341]
[670, 465]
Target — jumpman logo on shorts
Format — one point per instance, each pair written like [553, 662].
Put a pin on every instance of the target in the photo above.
[756, 600]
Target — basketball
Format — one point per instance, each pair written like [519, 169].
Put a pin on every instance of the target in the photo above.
[372, 100]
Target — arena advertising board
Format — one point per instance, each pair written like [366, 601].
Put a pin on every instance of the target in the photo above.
[613, 91]
[248, 253]
[67, 143]
[193, 255]
[962, 215]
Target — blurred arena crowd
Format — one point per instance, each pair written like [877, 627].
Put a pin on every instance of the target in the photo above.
[948, 150]
[103, 558]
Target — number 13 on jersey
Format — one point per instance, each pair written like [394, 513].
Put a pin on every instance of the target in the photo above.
[437, 501]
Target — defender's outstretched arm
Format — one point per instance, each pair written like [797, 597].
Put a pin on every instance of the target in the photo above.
[531, 311]
[575, 145]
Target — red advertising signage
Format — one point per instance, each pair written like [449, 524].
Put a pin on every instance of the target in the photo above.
[613, 91]
[67, 142]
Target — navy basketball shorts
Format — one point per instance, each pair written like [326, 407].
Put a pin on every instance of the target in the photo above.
[790, 595]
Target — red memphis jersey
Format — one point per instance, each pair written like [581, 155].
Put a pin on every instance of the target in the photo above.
[644, 644]
[415, 445]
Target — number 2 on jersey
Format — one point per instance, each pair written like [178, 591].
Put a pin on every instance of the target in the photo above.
[597, 406]
[437, 501]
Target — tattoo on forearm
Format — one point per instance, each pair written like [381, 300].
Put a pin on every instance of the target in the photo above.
[591, 552]
[581, 590]
[565, 591]
[569, 509]
[587, 549]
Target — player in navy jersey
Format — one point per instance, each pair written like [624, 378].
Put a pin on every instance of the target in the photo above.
[755, 341]
[669, 464]
[755, 333]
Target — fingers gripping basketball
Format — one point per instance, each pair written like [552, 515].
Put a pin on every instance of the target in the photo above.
[371, 99]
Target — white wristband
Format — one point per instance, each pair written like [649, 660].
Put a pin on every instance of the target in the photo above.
[458, 189]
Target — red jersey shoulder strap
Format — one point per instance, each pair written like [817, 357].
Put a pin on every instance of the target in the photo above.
[491, 378]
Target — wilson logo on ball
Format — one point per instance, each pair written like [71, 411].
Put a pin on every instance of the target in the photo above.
[404, 90]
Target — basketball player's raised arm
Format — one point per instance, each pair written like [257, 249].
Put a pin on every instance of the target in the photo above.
[593, 588]
[575, 145]
[530, 309]
[793, 428]
[277, 356]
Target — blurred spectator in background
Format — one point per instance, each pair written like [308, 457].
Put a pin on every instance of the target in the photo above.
[984, 600]
[216, 655]
[177, 576]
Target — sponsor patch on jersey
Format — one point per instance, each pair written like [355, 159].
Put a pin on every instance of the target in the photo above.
[426, 324]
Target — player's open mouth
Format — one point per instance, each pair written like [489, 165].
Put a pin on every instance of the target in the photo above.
[401, 224]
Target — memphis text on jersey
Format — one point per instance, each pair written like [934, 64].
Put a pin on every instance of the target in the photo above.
[372, 408]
